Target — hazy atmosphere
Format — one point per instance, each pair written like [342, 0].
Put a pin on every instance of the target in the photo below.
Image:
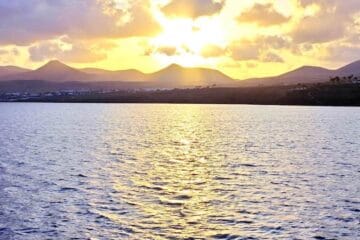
[243, 39]
[179, 119]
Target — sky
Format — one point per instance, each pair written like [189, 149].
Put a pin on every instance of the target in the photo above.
[243, 39]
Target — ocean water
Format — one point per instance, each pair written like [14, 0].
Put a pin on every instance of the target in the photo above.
[147, 171]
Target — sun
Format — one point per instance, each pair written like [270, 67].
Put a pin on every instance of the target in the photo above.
[189, 37]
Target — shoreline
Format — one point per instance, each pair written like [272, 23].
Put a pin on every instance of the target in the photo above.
[181, 103]
[296, 95]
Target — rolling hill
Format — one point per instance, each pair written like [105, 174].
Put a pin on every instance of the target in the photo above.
[173, 76]
[352, 68]
[305, 74]
[10, 70]
[130, 75]
[53, 71]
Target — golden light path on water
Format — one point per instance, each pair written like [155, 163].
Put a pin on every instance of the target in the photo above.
[179, 181]
[173, 185]
[175, 179]
[152, 171]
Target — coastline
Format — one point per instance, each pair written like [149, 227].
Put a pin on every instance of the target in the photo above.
[298, 95]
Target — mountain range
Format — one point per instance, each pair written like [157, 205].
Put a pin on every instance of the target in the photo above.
[57, 74]
[11, 70]
[305, 74]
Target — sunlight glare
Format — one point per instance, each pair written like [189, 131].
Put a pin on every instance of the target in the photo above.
[189, 37]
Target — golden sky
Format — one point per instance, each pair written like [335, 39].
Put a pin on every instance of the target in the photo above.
[242, 38]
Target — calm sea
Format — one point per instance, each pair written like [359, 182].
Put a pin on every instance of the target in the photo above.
[118, 171]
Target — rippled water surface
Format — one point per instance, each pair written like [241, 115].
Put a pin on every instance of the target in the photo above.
[93, 171]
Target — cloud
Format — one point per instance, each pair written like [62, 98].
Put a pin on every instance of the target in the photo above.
[263, 15]
[342, 53]
[333, 21]
[259, 48]
[164, 50]
[245, 51]
[348, 5]
[141, 22]
[13, 52]
[26, 21]
[272, 57]
[192, 8]
[3, 52]
[77, 53]
[168, 51]
[274, 42]
[301, 49]
[317, 29]
[8, 55]
[213, 51]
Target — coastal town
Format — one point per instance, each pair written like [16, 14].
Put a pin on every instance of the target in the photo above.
[337, 93]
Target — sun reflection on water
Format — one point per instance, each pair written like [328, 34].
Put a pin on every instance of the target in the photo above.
[178, 172]
[172, 186]
[191, 174]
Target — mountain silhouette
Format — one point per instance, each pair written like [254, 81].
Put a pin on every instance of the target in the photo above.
[54, 71]
[176, 76]
[305, 74]
[172, 76]
[130, 75]
[10, 70]
[352, 68]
